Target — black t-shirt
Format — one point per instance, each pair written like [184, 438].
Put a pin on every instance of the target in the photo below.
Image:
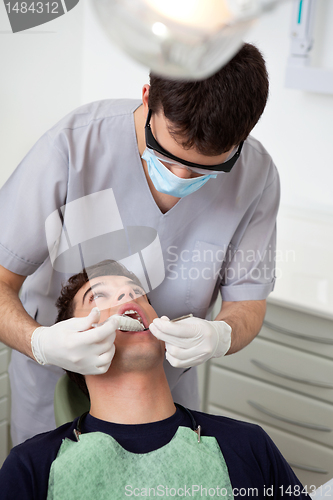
[254, 463]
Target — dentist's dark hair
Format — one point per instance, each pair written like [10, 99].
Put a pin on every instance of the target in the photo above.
[215, 114]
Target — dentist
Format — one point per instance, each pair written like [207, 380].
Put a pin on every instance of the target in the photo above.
[180, 161]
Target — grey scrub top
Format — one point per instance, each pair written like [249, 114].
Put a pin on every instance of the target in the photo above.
[221, 237]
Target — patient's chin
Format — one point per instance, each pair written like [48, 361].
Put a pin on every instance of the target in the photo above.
[132, 360]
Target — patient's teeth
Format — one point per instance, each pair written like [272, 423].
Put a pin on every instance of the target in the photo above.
[126, 323]
[130, 324]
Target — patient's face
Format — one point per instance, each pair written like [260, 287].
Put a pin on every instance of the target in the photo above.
[119, 295]
[113, 295]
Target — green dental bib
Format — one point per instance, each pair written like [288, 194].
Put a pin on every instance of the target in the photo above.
[98, 468]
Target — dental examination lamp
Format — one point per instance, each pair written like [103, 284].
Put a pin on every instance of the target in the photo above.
[185, 39]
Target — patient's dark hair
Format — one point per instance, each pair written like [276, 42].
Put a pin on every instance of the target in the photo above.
[217, 113]
[65, 303]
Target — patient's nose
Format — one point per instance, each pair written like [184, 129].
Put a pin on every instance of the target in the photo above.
[125, 294]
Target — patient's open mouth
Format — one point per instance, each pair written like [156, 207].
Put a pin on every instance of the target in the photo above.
[131, 321]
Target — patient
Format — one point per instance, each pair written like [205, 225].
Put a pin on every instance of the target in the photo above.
[135, 441]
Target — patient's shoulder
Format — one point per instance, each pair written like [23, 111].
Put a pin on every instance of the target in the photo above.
[25, 472]
[229, 429]
[43, 448]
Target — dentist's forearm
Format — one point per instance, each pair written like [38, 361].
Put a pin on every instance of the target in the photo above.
[245, 319]
[16, 326]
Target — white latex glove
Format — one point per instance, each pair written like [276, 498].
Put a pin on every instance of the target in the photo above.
[71, 344]
[192, 341]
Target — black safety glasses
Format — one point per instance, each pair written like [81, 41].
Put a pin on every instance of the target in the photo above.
[152, 143]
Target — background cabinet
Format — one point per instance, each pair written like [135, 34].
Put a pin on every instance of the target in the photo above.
[284, 382]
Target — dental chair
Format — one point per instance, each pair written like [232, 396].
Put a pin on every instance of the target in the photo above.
[69, 401]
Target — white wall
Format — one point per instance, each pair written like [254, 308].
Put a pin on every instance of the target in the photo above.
[40, 81]
[297, 129]
[297, 126]
[107, 72]
[49, 70]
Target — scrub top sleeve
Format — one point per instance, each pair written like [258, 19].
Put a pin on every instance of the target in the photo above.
[35, 189]
[249, 268]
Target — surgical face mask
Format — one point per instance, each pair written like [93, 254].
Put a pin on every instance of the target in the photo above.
[168, 183]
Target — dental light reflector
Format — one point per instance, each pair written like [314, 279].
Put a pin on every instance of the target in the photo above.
[186, 39]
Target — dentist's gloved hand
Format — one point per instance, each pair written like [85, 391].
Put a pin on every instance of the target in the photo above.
[192, 341]
[72, 345]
